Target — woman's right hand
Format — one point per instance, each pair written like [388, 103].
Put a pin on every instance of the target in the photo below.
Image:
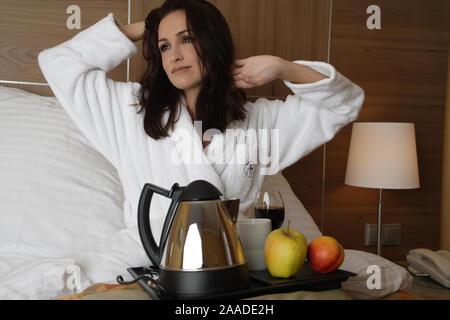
[134, 31]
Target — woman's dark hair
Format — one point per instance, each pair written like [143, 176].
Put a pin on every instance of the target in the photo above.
[219, 101]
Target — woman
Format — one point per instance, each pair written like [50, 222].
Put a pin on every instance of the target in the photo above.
[192, 80]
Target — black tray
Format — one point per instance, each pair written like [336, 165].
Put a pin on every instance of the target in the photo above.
[261, 283]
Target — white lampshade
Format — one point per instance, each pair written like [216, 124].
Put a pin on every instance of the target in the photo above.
[383, 155]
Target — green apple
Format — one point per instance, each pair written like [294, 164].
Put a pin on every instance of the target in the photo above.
[285, 251]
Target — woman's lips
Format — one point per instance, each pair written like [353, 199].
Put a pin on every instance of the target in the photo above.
[178, 70]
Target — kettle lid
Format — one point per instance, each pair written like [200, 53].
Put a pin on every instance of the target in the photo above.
[200, 190]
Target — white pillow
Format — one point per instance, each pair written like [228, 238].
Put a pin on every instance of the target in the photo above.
[57, 194]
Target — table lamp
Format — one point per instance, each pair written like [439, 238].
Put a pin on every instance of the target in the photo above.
[382, 155]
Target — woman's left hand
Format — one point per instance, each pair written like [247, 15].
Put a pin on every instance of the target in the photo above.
[256, 71]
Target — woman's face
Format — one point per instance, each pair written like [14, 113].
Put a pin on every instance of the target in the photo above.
[179, 58]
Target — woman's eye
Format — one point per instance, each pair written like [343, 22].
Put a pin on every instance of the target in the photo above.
[164, 47]
[187, 40]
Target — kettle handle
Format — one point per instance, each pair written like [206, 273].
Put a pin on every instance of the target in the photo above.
[144, 227]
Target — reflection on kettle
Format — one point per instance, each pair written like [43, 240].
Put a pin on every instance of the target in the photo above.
[199, 251]
[193, 257]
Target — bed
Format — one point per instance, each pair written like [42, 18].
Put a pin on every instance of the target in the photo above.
[62, 230]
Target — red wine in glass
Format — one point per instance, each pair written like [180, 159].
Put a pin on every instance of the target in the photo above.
[276, 215]
[270, 205]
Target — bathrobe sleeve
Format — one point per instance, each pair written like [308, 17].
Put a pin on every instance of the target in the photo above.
[76, 72]
[310, 117]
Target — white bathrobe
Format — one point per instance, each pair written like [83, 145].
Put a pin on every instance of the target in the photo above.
[100, 107]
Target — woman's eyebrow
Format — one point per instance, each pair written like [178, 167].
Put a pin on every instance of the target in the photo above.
[178, 34]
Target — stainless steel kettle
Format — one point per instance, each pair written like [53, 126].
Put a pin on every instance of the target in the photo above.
[199, 251]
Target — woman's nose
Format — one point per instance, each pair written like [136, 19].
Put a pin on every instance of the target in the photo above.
[176, 54]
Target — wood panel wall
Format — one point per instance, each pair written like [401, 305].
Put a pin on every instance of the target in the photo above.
[403, 69]
[28, 26]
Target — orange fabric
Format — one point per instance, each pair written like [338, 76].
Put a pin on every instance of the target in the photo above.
[102, 287]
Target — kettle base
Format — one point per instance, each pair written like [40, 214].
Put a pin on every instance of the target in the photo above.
[203, 282]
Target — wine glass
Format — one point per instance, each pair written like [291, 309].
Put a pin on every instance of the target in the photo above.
[270, 205]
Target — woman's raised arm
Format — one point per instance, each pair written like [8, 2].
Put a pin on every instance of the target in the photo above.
[258, 70]
[323, 102]
[76, 72]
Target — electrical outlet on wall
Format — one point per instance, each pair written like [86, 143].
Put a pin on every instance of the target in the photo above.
[391, 234]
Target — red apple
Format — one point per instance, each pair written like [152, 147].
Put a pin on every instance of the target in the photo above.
[325, 254]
